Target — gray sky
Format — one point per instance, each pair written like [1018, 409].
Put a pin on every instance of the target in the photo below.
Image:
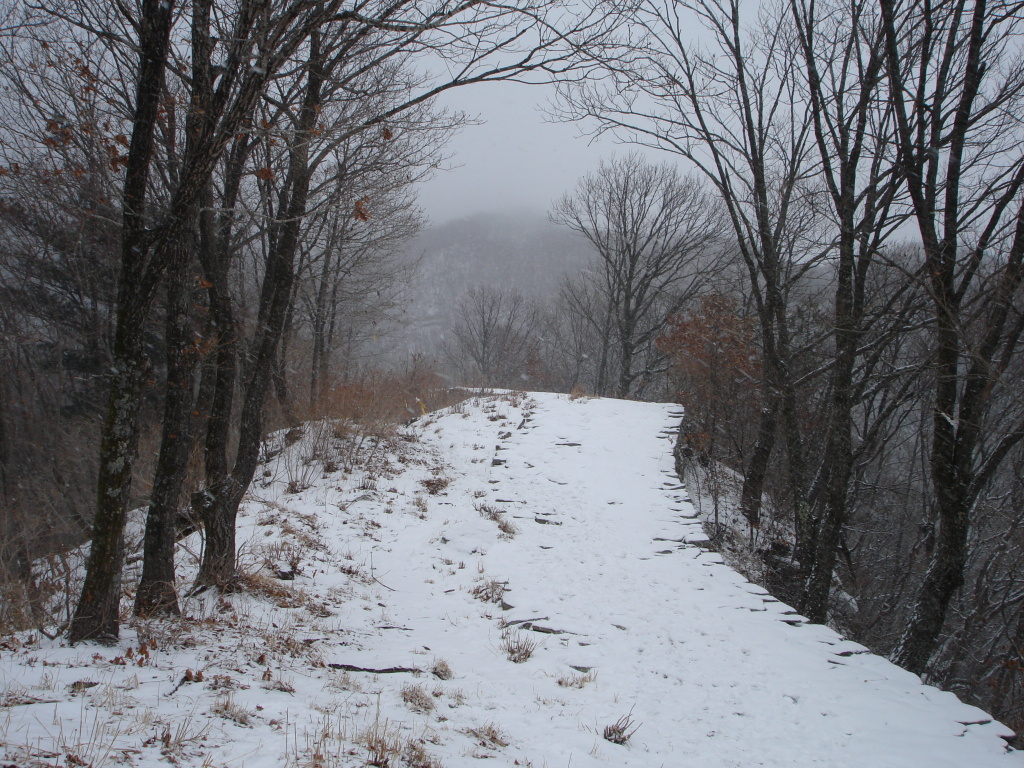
[514, 161]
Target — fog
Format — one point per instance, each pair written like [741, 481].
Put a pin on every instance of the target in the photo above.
[521, 252]
[515, 161]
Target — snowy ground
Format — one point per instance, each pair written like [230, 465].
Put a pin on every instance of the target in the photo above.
[567, 516]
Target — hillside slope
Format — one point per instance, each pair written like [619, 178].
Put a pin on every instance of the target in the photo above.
[390, 580]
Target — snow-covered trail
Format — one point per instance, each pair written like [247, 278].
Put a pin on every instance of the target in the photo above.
[384, 572]
[716, 672]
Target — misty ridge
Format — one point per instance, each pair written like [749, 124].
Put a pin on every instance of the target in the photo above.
[520, 253]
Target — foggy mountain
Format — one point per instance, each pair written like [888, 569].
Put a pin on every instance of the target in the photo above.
[520, 252]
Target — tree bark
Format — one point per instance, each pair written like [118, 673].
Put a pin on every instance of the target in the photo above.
[156, 593]
[97, 614]
[218, 504]
[757, 467]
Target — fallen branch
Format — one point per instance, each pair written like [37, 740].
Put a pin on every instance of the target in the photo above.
[384, 671]
[524, 621]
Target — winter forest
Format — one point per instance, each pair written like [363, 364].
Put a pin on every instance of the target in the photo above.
[209, 232]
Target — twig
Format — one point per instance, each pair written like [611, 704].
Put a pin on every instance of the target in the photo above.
[376, 579]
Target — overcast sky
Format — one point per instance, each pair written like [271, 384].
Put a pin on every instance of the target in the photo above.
[514, 161]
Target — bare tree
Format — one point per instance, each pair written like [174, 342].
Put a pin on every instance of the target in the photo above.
[354, 280]
[493, 336]
[787, 119]
[258, 41]
[841, 49]
[825, 127]
[957, 87]
[584, 301]
[728, 105]
[652, 231]
[480, 43]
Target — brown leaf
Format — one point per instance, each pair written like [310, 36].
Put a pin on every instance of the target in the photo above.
[361, 213]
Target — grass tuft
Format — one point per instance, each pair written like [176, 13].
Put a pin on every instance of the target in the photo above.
[441, 670]
[518, 647]
[577, 680]
[226, 707]
[417, 699]
[386, 747]
[489, 590]
[621, 730]
[489, 736]
[497, 516]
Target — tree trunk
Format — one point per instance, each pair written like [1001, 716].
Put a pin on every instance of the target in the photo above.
[757, 467]
[156, 593]
[318, 366]
[626, 329]
[601, 386]
[827, 530]
[218, 505]
[961, 399]
[220, 490]
[96, 616]
[944, 577]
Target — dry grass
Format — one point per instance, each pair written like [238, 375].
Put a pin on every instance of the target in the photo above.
[489, 736]
[578, 393]
[518, 646]
[386, 747]
[225, 706]
[621, 730]
[436, 483]
[489, 590]
[282, 642]
[441, 670]
[381, 396]
[272, 683]
[257, 583]
[497, 516]
[382, 744]
[343, 681]
[187, 730]
[577, 679]
[417, 699]
[415, 756]
[420, 504]
[323, 746]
